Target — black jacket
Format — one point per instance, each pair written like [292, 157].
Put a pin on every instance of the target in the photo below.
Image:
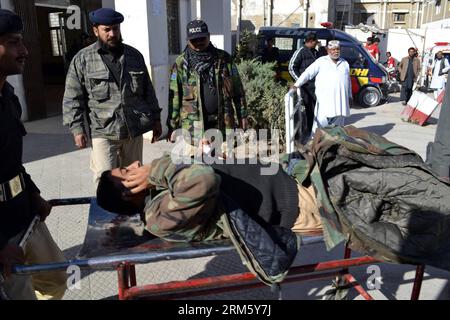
[272, 198]
[440, 158]
[300, 61]
[15, 214]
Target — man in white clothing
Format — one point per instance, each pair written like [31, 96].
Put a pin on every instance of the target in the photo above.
[333, 87]
[439, 73]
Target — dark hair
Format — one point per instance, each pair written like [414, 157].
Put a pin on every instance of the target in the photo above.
[412, 48]
[110, 197]
[311, 36]
[369, 39]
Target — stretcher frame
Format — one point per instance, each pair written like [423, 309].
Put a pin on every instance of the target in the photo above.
[128, 288]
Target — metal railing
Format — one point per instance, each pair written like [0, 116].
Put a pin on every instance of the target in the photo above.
[290, 111]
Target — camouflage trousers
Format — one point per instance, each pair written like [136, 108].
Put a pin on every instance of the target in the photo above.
[189, 208]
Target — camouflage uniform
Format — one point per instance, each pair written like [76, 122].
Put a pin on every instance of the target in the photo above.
[115, 113]
[187, 207]
[185, 105]
[190, 207]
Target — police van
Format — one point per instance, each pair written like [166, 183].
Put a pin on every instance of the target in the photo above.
[369, 78]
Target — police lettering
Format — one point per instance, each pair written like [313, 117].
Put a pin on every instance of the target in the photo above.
[195, 30]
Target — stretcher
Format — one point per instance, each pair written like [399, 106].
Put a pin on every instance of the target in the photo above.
[121, 243]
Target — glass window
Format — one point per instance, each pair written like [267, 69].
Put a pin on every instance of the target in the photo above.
[173, 26]
[55, 22]
[353, 56]
[399, 17]
[284, 44]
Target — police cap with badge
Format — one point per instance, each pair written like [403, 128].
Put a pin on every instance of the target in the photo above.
[197, 29]
[10, 22]
[106, 17]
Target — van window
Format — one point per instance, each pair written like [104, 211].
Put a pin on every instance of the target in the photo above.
[353, 56]
[285, 45]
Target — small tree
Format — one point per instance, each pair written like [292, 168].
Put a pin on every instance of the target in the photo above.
[246, 49]
[265, 96]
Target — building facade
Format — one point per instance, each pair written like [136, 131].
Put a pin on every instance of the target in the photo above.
[255, 14]
[387, 14]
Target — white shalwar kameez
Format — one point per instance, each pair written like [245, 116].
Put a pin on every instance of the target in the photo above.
[438, 82]
[333, 90]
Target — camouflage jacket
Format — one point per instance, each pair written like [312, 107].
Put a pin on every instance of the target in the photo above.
[115, 112]
[185, 105]
[379, 197]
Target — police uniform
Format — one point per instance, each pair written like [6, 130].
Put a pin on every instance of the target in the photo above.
[206, 91]
[16, 188]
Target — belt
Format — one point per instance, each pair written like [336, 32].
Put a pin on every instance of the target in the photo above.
[11, 189]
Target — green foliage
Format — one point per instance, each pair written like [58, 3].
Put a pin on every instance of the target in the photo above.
[265, 96]
[246, 48]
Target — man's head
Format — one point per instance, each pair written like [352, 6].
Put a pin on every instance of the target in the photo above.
[311, 40]
[106, 24]
[439, 55]
[270, 42]
[388, 54]
[412, 52]
[369, 41]
[198, 35]
[114, 197]
[334, 49]
[13, 53]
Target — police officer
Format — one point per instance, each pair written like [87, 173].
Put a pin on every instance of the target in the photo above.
[300, 61]
[20, 199]
[110, 81]
[206, 91]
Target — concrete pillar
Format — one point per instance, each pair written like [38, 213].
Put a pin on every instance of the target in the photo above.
[16, 81]
[185, 16]
[217, 14]
[145, 28]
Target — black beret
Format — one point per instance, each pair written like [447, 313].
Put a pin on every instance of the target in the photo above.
[10, 22]
[106, 17]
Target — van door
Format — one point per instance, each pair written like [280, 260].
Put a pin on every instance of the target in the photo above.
[365, 81]
[286, 46]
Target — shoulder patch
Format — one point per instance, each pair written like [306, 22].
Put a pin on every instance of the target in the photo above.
[174, 76]
[234, 70]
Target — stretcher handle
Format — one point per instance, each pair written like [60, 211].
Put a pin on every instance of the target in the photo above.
[70, 202]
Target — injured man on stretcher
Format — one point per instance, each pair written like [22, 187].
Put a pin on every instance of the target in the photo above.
[350, 185]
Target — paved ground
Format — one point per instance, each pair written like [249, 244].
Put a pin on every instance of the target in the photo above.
[63, 172]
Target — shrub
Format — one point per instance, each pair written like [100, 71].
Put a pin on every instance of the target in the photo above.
[265, 96]
[246, 48]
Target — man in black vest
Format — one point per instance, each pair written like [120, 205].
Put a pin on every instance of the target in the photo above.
[300, 61]
[20, 200]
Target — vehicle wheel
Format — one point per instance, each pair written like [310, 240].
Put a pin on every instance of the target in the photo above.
[369, 97]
